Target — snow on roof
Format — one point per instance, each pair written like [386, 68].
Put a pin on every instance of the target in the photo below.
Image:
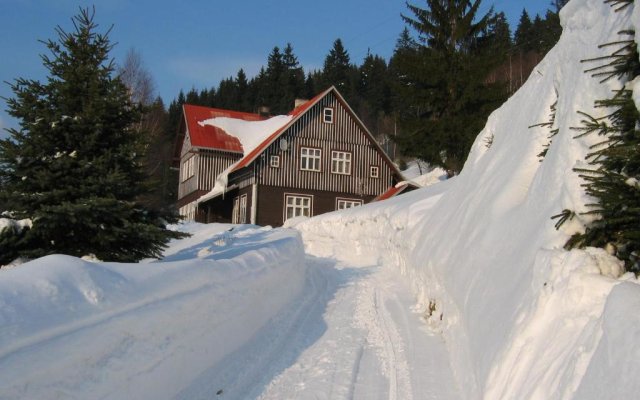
[251, 136]
[210, 136]
[249, 133]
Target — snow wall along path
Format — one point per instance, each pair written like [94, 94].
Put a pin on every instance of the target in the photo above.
[77, 329]
[522, 318]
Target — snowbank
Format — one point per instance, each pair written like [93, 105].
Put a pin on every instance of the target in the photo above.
[523, 318]
[77, 329]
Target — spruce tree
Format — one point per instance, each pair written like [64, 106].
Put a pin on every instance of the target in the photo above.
[443, 83]
[294, 79]
[613, 178]
[523, 37]
[338, 71]
[74, 167]
[242, 85]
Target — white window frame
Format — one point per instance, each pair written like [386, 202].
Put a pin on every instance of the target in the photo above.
[341, 162]
[243, 209]
[239, 213]
[342, 203]
[235, 214]
[310, 159]
[297, 203]
[188, 168]
[374, 171]
[327, 115]
[274, 161]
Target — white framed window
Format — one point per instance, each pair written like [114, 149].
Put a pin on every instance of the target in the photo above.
[274, 161]
[341, 204]
[341, 162]
[188, 168]
[235, 214]
[243, 209]
[296, 205]
[374, 171]
[327, 115]
[310, 159]
[239, 213]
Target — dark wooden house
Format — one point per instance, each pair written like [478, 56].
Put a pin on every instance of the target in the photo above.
[246, 168]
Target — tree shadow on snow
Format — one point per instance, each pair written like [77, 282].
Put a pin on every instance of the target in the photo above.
[227, 244]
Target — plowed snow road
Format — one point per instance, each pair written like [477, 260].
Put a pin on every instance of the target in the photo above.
[352, 334]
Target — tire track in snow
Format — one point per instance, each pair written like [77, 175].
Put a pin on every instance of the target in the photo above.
[382, 333]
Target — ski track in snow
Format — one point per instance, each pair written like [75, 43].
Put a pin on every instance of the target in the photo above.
[374, 346]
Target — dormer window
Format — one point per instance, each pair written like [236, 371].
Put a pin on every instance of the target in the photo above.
[327, 115]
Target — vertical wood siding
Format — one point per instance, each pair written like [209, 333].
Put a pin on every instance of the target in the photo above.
[343, 135]
[207, 166]
[190, 185]
[211, 164]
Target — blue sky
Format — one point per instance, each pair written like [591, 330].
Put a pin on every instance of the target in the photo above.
[197, 43]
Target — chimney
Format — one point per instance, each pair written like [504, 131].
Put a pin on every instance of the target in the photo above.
[264, 111]
[298, 102]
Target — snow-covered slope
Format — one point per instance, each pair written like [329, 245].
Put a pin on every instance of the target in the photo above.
[522, 317]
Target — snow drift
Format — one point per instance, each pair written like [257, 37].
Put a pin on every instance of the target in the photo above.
[78, 329]
[523, 318]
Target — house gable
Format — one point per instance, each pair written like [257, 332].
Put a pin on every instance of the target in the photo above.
[344, 137]
[302, 111]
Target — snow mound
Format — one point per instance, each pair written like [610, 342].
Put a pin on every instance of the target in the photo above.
[78, 329]
[523, 318]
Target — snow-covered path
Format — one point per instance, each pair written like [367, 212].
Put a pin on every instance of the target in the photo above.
[374, 346]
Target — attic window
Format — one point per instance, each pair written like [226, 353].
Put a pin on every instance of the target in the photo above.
[327, 115]
[274, 161]
[375, 171]
[188, 168]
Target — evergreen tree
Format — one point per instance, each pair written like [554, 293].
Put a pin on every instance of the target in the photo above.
[338, 71]
[550, 32]
[374, 84]
[227, 97]
[443, 83]
[523, 38]
[403, 57]
[500, 33]
[74, 165]
[614, 177]
[294, 82]
[242, 86]
[537, 33]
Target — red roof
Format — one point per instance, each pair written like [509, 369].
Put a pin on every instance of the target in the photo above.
[216, 138]
[212, 137]
[396, 190]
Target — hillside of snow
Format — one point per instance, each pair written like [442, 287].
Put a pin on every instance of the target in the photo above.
[522, 318]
